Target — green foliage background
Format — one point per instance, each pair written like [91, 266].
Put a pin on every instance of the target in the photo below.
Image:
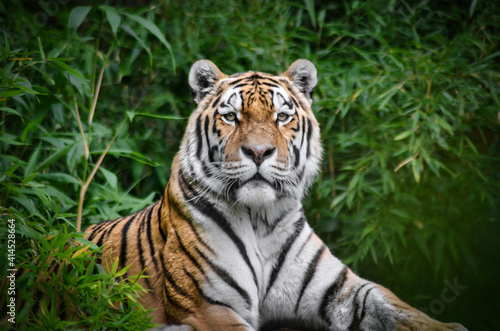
[408, 103]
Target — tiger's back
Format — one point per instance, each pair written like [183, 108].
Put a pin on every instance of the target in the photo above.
[228, 246]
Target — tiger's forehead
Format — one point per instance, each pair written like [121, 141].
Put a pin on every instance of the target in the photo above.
[254, 90]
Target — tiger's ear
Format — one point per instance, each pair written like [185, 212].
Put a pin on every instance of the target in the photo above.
[304, 76]
[202, 78]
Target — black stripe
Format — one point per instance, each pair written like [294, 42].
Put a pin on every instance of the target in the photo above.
[297, 128]
[309, 133]
[304, 244]
[203, 295]
[242, 102]
[199, 140]
[159, 220]
[94, 232]
[140, 253]
[269, 84]
[356, 321]
[296, 151]
[303, 131]
[171, 281]
[189, 221]
[255, 76]
[311, 269]
[108, 231]
[226, 277]
[149, 236]
[172, 300]
[140, 228]
[299, 225]
[216, 101]
[280, 218]
[97, 229]
[240, 85]
[123, 248]
[363, 311]
[187, 253]
[179, 290]
[206, 208]
[102, 227]
[235, 82]
[210, 150]
[332, 292]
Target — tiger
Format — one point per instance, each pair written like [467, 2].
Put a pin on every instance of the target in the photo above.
[228, 247]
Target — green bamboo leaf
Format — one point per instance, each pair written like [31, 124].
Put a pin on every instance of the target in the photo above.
[121, 272]
[131, 32]
[40, 47]
[28, 232]
[114, 268]
[113, 17]
[68, 68]
[54, 157]
[338, 199]
[354, 181]
[387, 95]
[155, 31]
[311, 11]
[130, 115]
[9, 139]
[416, 168]
[56, 51]
[10, 111]
[29, 178]
[110, 177]
[472, 8]
[33, 160]
[402, 135]
[6, 42]
[76, 153]
[163, 117]
[76, 18]
[59, 177]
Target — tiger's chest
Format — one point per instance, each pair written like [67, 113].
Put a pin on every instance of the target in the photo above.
[231, 259]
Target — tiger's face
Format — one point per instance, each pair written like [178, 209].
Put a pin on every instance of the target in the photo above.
[253, 138]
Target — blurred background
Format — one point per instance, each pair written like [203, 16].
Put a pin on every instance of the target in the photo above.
[94, 101]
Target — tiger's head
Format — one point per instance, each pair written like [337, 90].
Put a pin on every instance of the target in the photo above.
[252, 138]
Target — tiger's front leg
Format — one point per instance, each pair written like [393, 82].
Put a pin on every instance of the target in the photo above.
[352, 303]
[314, 290]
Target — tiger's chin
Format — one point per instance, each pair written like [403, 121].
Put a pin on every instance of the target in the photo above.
[256, 194]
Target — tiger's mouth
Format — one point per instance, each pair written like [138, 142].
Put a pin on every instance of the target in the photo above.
[255, 178]
[256, 192]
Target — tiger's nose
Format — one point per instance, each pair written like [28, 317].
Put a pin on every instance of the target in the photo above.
[258, 155]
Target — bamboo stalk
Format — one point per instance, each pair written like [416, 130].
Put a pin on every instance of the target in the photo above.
[96, 94]
[85, 186]
[85, 146]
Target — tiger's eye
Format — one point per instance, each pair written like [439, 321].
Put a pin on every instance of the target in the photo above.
[282, 117]
[230, 116]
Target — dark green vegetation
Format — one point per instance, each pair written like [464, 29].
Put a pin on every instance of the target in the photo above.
[94, 102]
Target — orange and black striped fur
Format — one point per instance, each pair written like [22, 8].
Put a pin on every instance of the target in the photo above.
[228, 246]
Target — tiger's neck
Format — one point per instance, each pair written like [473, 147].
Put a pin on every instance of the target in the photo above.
[200, 199]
